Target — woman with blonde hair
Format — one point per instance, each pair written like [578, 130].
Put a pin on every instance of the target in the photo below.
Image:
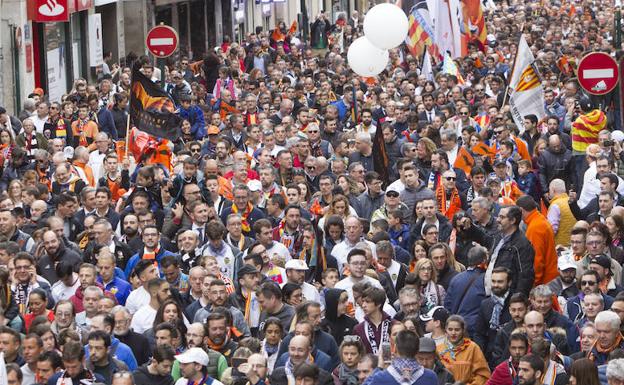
[431, 293]
[340, 207]
[350, 188]
[15, 192]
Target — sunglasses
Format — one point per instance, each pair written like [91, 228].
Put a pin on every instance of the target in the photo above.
[588, 283]
[392, 194]
[463, 113]
[450, 178]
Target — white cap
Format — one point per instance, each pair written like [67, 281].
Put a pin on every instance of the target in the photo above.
[254, 185]
[566, 262]
[296, 264]
[193, 355]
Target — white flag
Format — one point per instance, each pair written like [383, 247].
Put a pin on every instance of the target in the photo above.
[527, 93]
[427, 68]
[3, 373]
[444, 29]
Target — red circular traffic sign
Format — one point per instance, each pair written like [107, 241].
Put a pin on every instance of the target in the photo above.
[162, 41]
[598, 73]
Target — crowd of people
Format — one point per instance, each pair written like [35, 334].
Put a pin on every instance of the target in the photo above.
[266, 244]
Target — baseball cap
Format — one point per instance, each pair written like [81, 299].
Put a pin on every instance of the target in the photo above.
[296, 264]
[193, 355]
[38, 91]
[392, 190]
[247, 269]
[426, 345]
[566, 262]
[438, 313]
[254, 185]
[213, 130]
[493, 179]
[601, 260]
[500, 162]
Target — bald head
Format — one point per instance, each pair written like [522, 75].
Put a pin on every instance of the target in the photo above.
[554, 142]
[37, 209]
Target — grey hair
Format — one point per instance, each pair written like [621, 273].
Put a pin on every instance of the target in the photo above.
[611, 318]
[29, 103]
[483, 202]
[541, 291]
[364, 137]
[410, 292]
[120, 308]
[558, 186]
[39, 153]
[615, 369]
[94, 289]
[449, 133]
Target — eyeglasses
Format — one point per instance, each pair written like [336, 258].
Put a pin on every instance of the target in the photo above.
[588, 283]
[195, 150]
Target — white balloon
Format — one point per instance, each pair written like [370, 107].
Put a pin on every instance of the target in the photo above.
[365, 59]
[386, 26]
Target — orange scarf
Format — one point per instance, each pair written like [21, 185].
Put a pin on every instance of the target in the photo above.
[245, 223]
[218, 347]
[449, 207]
[611, 348]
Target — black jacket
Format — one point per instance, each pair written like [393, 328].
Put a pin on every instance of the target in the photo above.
[484, 336]
[46, 265]
[416, 230]
[337, 326]
[139, 345]
[278, 377]
[143, 377]
[554, 165]
[516, 254]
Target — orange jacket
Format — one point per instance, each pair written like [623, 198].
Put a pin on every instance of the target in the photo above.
[88, 172]
[541, 235]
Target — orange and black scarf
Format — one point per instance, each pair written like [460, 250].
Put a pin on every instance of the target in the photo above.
[448, 207]
[245, 223]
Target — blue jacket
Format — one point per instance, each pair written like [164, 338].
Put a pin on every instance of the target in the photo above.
[322, 360]
[137, 257]
[468, 306]
[342, 109]
[119, 287]
[323, 341]
[195, 116]
[106, 122]
[120, 351]
[400, 237]
[384, 378]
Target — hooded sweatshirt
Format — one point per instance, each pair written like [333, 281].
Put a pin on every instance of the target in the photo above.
[337, 326]
[142, 376]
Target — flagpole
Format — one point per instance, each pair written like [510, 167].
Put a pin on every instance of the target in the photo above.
[513, 69]
[127, 135]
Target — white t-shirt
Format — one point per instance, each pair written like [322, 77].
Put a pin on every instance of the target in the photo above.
[60, 291]
[137, 298]
[184, 381]
[28, 375]
[281, 251]
[143, 319]
[341, 250]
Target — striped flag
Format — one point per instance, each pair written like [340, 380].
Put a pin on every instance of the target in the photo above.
[474, 22]
[449, 67]
[528, 79]
[420, 33]
[527, 94]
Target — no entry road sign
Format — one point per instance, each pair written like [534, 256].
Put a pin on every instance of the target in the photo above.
[598, 73]
[162, 41]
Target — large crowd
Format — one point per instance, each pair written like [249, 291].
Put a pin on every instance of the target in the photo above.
[267, 244]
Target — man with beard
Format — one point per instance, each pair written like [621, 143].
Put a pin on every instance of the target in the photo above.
[494, 312]
[99, 360]
[159, 292]
[219, 297]
[158, 371]
[75, 372]
[9, 231]
[289, 232]
[565, 285]
[195, 336]
[130, 231]
[530, 370]
[55, 251]
[105, 237]
[152, 249]
[137, 342]
[219, 334]
[193, 366]
[505, 372]
[106, 276]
